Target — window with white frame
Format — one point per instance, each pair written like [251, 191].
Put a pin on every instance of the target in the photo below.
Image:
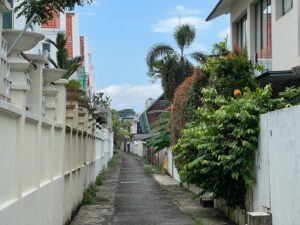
[8, 17]
[263, 33]
[287, 5]
[46, 49]
[242, 32]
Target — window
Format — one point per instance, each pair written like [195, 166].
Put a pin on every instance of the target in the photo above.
[287, 5]
[8, 18]
[263, 33]
[242, 32]
[46, 48]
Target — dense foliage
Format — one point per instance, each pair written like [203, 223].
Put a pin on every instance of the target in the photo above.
[218, 143]
[186, 100]
[217, 150]
[126, 112]
[121, 134]
[161, 133]
[170, 66]
[63, 61]
[45, 9]
[229, 72]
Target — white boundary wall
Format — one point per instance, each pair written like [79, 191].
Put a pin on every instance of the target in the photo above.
[172, 170]
[278, 167]
[44, 169]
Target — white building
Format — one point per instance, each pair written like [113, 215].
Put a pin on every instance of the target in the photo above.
[67, 23]
[269, 30]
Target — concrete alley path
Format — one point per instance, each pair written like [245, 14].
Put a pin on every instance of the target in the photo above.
[140, 200]
[132, 196]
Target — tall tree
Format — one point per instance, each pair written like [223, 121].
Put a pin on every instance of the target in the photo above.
[45, 9]
[126, 112]
[63, 62]
[170, 66]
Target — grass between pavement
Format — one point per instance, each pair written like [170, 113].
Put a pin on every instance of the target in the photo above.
[89, 195]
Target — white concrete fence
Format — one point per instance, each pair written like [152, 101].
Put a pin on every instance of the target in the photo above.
[44, 164]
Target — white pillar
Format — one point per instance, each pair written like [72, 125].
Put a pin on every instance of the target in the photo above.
[36, 78]
[61, 100]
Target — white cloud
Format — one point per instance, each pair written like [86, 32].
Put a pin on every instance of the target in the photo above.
[186, 11]
[168, 25]
[90, 14]
[224, 33]
[131, 96]
[96, 3]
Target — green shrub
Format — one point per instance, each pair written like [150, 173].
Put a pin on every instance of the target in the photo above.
[74, 84]
[216, 152]
[89, 195]
[230, 72]
[112, 162]
[100, 178]
[186, 100]
[153, 169]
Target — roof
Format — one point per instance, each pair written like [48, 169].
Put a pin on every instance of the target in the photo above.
[142, 137]
[279, 80]
[223, 7]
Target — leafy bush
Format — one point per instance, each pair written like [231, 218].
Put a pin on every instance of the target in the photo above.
[216, 152]
[291, 95]
[74, 85]
[100, 178]
[89, 195]
[229, 72]
[112, 162]
[186, 100]
[161, 133]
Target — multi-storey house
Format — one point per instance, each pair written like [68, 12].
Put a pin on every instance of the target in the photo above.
[270, 31]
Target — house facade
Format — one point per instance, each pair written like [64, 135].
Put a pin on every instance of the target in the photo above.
[67, 23]
[268, 29]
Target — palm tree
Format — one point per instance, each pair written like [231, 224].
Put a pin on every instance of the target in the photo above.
[71, 65]
[170, 66]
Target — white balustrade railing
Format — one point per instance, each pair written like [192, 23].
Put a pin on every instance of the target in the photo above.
[4, 71]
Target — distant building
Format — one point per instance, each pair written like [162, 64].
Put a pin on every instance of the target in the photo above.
[152, 113]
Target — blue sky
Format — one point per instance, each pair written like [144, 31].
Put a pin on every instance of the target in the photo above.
[121, 32]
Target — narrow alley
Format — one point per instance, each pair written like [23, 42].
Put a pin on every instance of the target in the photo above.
[132, 196]
[140, 199]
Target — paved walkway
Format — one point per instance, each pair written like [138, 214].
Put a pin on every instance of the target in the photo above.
[189, 205]
[140, 200]
[131, 196]
[102, 211]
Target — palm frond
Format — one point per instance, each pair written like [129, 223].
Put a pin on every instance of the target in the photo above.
[199, 57]
[156, 53]
[72, 66]
[51, 42]
[53, 62]
[184, 36]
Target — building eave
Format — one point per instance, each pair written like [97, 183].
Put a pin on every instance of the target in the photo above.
[223, 7]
